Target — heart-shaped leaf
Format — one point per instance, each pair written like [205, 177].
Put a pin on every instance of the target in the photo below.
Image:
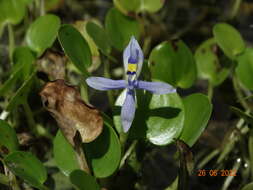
[229, 39]
[198, 109]
[76, 47]
[83, 181]
[208, 64]
[42, 33]
[120, 28]
[104, 153]
[173, 63]
[8, 138]
[64, 154]
[26, 166]
[244, 69]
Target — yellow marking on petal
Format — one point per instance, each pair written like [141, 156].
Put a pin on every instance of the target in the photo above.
[132, 67]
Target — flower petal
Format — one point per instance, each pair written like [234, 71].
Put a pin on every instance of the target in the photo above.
[133, 51]
[156, 87]
[101, 83]
[128, 111]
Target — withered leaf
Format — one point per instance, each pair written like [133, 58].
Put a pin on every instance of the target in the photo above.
[71, 112]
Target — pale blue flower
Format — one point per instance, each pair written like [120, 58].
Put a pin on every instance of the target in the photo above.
[133, 59]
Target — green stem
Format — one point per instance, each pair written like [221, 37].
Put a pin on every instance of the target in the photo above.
[11, 40]
[84, 92]
[230, 178]
[29, 116]
[128, 153]
[235, 8]
[239, 94]
[208, 158]
[42, 7]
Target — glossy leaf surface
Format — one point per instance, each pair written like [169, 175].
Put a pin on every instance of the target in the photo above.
[173, 62]
[166, 118]
[198, 111]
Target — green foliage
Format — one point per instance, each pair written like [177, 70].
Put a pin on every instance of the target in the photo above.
[83, 180]
[12, 11]
[64, 154]
[138, 5]
[120, 28]
[30, 55]
[228, 39]
[28, 167]
[167, 118]
[8, 139]
[173, 63]
[42, 33]
[99, 36]
[104, 160]
[198, 111]
[244, 69]
[76, 47]
[208, 64]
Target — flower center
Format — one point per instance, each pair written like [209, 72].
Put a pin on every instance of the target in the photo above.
[132, 84]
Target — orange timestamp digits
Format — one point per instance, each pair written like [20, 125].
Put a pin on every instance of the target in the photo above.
[214, 173]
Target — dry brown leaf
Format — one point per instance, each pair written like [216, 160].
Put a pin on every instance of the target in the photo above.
[70, 111]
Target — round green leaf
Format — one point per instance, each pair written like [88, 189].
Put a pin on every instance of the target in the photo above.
[208, 64]
[12, 11]
[249, 186]
[22, 56]
[64, 154]
[99, 36]
[76, 47]
[151, 5]
[229, 39]
[8, 138]
[173, 63]
[104, 153]
[127, 6]
[83, 181]
[26, 166]
[244, 69]
[120, 28]
[42, 33]
[166, 118]
[198, 110]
